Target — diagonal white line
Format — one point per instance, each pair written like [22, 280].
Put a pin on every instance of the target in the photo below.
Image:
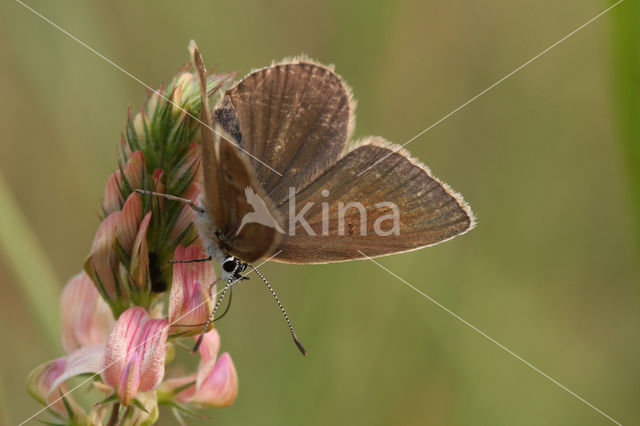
[127, 73]
[150, 337]
[494, 84]
[491, 339]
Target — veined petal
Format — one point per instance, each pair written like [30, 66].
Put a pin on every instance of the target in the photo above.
[121, 344]
[152, 349]
[129, 222]
[112, 199]
[189, 301]
[129, 380]
[102, 263]
[210, 346]
[134, 169]
[217, 386]
[195, 314]
[44, 386]
[84, 360]
[135, 353]
[40, 380]
[140, 255]
[186, 215]
[86, 317]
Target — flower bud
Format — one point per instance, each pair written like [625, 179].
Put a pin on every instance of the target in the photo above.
[128, 224]
[189, 302]
[139, 268]
[112, 200]
[102, 264]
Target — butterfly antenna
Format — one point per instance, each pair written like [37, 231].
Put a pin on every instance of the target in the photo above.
[303, 351]
[228, 305]
[213, 312]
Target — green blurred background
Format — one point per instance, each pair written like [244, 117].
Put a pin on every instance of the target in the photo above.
[545, 159]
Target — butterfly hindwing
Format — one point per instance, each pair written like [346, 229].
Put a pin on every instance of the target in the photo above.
[428, 211]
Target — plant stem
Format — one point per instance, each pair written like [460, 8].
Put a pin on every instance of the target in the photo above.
[113, 418]
[626, 75]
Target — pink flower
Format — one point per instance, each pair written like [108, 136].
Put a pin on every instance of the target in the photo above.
[134, 358]
[40, 384]
[86, 317]
[214, 384]
[86, 322]
[102, 263]
[189, 302]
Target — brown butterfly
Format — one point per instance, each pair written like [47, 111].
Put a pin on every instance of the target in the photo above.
[277, 150]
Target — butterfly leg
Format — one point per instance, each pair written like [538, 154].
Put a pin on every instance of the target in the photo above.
[186, 201]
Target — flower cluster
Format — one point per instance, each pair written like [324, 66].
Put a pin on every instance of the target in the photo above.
[115, 331]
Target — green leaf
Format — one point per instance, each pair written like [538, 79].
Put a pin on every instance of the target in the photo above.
[138, 404]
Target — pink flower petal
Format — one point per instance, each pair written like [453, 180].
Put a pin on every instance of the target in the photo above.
[84, 360]
[121, 344]
[153, 349]
[186, 215]
[41, 379]
[217, 386]
[129, 380]
[129, 222]
[140, 255]
[46, 382]
[112, 199]
[189, 301]
[102, 262]
[86, 317]
[134, 169]
[210, 346]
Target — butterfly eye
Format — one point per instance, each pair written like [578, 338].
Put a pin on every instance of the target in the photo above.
[229, 264]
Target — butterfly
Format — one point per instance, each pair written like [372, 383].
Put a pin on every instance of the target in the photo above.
[283, 180]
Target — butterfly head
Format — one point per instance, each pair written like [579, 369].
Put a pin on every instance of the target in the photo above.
[232, 267]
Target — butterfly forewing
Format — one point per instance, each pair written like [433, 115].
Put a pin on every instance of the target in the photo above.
[212, 195]
[227, 175]
[294, 116]
[428, 211]
[254, 240]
